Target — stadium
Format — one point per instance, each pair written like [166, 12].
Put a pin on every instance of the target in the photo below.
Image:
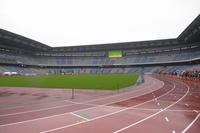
[116, 87]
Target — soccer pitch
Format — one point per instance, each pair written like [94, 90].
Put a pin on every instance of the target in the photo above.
[82, 81]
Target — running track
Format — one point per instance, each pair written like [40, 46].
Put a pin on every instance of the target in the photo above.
[160, 105]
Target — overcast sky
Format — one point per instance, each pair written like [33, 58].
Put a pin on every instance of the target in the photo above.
[84, 22]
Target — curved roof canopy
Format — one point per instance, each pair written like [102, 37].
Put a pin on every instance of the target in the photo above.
[190, 35]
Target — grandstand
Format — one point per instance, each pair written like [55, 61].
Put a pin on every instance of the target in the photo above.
[26, 56]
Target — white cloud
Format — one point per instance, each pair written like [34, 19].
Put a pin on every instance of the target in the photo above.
[83, 22]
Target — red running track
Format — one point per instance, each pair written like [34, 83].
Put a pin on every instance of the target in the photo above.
[151, 107]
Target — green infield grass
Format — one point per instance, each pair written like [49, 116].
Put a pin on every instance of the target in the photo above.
[82, 81]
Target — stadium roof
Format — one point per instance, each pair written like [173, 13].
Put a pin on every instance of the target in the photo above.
[14, 40]
[190, 35]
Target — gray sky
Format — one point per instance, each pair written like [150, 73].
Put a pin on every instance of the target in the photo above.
[84, 22]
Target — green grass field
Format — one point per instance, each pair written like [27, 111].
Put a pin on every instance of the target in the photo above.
[84, 81]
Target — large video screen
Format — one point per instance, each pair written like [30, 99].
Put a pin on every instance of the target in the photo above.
[115, 54]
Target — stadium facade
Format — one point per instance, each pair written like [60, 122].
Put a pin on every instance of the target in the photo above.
[25, 56]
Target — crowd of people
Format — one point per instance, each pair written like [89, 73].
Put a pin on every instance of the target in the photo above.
[191, 74]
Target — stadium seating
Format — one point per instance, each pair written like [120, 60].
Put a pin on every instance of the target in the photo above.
[170, 56]
[29, 57]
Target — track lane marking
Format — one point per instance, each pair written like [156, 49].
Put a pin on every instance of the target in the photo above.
[86, 101]
[37, 110]
[21, 122]
[65, 113]
[109, 113]
[79, 116]
[166, 119]
[75, 104]
[167, 110]
[147, 87]
[173, 131]
[185, 130]
[122, 129]
[5, 108]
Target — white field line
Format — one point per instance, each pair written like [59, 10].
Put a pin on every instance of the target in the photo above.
[79, 116]
[121, 100]
[106, 114]
[36, 110]
[167, 110]
[173, 131]
[20, 106]
[57, 115]
[157, 97]
[75, 103]
[34, 104]
[66, 100]
[77, 111]
[185, 130]
[125, 92]
[60, 114]
[167, 120]
[186, 105]
[122, 129]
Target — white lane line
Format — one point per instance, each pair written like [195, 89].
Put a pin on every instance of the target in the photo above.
[2, 109]
[34, 104]
[122, 129]
[173, 131]
[79, 116]
[157, 97]
[77, 111]
[107, 114]
[84, 121]
[108, 103]
[36, 110]
[48, 117]
[154, 79]
[167, 120]
[32, 120]
[185, 130]
[171, 110]
[84, 102]
[103, 98]
[153, 82]
[186, 104]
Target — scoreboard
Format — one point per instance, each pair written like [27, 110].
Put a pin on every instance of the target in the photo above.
[115, 54]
